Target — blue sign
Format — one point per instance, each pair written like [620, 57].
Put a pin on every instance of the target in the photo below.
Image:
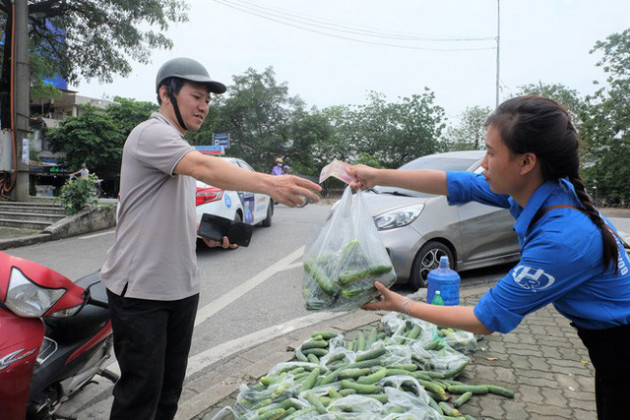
[221, 139]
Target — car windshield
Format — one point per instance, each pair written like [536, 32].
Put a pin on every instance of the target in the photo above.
[429, 162]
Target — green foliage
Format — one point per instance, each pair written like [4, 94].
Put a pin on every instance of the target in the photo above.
[128, 113]
[367, 159]
[92, 137]
[569, 98]
[606, 127]
[89, 39]
[256, 114]
[101, 38]
[470, 133]
[396, 132]
[78, 193]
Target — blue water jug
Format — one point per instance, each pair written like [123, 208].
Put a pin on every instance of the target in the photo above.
[446, 281]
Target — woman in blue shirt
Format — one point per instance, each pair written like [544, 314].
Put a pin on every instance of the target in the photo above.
[571, 255]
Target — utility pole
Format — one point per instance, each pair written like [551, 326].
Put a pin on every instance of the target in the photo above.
[498, 46]
[21, 99]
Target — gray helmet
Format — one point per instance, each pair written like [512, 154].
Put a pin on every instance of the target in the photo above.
[187, 69]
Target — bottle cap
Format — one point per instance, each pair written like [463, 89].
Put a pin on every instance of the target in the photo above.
[444, 262]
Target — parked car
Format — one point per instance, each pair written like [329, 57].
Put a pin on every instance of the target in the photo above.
[242, 206]
[419, 228]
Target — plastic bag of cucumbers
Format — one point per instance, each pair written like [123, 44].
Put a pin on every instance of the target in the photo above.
[343, 261]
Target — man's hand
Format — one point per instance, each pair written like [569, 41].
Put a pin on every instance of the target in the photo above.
[292, 190]
[225, 244]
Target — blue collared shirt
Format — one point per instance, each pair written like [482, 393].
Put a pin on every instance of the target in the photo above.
[561, 260]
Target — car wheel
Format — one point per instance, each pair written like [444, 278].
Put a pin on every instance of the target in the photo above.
[426, 260]
[267, 221]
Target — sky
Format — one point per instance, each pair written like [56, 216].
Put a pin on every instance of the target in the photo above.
[334, 52]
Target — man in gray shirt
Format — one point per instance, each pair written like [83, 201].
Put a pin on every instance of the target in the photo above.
[151, 269]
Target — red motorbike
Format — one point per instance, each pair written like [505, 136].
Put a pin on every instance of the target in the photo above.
[55, 336]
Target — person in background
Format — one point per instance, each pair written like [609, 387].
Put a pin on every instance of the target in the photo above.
[151, 269]
[571, 254]
[278, 169]
[83, 172]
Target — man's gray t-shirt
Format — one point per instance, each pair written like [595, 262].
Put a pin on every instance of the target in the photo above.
[154, 248]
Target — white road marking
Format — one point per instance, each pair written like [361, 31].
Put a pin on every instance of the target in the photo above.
[216, 305]
[96, 235]
[204, 359]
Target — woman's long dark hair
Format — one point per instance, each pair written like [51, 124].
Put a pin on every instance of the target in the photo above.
[533, 124]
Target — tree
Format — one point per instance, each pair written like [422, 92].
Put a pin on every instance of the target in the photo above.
[470, 133]
[607, 127]
[128, 113]
[89, 38]
[311, 135]
[92, 137]
[256, 114]
[567, 97]
[395, 133]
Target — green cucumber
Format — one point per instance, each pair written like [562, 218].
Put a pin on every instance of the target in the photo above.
[371, 354]
[448, 410]
[461, 389]
[273, 414]
[309, 381]
[499, 390]
[309, 344]
[326, 335]
[382, 398]
[315, 402]
[462, 399]
[373, 378]
[361, 388]
[321, 278]
[317, 351]
[353, 373]
[371, 338]
[347, 278]
[360, 341]
[300, 356]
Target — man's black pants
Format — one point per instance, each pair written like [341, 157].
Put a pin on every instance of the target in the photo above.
[151, 342]
[609, 351]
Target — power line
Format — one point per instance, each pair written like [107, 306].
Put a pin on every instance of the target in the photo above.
[349, 28]
[282, 20]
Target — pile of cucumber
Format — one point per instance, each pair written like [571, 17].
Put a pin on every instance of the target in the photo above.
[381, 373]
[344, 280]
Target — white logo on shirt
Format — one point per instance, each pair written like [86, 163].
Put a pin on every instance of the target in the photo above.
[532, 278]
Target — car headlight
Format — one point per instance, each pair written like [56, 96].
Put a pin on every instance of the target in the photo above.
[28, 299]
[398, 218]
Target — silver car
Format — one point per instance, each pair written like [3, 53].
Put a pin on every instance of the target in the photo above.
[419, 228]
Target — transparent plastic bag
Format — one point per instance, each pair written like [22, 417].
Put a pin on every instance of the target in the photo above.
[460, 340]
[348, 255]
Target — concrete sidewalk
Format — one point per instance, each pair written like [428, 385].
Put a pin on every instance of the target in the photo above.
[543, 361]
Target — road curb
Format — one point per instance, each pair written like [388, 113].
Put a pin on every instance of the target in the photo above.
[25, 240]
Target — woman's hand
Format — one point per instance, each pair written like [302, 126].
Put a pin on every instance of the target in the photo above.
[388, 301]
[225, 244]
[363, 176]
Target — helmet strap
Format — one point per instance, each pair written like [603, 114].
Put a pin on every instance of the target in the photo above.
[171, 95]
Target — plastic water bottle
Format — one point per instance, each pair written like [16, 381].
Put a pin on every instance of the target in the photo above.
[437, 299]
[446, 281]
